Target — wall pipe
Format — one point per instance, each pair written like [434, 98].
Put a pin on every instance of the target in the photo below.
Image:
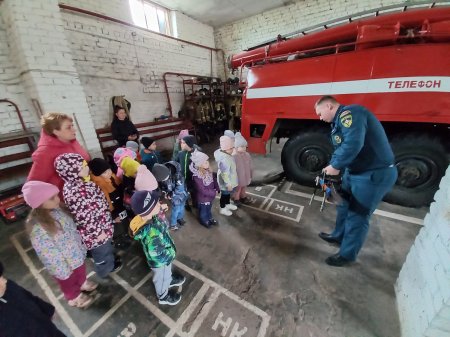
[24, 127]
[30, 141]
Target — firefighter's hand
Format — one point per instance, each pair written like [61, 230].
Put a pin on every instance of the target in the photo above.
[164, 207]
[331, 171]
[229, 188]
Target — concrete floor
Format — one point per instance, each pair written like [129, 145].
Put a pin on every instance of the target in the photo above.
[259, 273]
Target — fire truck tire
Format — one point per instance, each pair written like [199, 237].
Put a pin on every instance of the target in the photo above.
[305, 155]
[421, 163]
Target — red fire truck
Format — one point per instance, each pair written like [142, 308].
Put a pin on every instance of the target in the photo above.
[397, 65]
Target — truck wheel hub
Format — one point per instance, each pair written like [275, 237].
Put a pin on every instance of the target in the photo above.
[312, 159]
[413, 172]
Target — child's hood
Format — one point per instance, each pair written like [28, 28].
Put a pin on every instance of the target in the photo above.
[68, 166]
[104, 183]
[129, 167]
[218, 155]
[136, 224]
[174, 167]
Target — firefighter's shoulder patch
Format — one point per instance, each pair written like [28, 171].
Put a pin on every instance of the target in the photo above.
[345, 113]
[346, 120]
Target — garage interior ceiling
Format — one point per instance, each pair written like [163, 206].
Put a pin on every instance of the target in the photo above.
[217, 13]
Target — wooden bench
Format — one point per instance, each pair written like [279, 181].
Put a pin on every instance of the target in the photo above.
[16, 160]
[157, 130]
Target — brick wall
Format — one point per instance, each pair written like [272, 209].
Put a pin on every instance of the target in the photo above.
[11, 88]
[194, 31]
[423, 285]
[113, 59]
[256, 29]
[119, 9]
[42, 55]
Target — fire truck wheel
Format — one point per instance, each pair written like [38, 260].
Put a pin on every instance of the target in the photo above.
[305, 155]
[421, 163]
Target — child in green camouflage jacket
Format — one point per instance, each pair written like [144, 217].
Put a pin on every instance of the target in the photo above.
[150, 227]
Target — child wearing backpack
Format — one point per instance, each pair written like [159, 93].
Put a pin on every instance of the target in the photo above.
[150, 228]
[175, 190]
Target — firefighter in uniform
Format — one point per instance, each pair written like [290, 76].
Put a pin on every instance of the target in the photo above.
[363, 152]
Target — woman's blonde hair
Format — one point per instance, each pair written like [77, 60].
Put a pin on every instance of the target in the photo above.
[53, 121]
[43, 217]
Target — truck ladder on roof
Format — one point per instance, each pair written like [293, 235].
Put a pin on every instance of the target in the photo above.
[361, 15]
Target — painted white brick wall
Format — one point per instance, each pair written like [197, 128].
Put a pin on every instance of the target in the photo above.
[113, 59]
[194, 31]
[74, 64]
[11, 88]
[42, 55]
[256, 29]
[118, 9]
[423, 285]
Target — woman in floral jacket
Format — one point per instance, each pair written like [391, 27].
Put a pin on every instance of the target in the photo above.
[57, 243]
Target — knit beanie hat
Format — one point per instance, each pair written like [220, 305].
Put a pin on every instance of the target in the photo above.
[229, 133]
[183, 133]
[121, 153]
[198, 158]
[147, 141]
[133, 146]
[161, 172]
[190, 141]
[143, 202]
[98, 166]
[36, 192]
[239, 140]
[226, 143]
[145, 180]
[129, 167]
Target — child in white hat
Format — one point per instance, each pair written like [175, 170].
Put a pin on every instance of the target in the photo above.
[205, 187]
[226, 174]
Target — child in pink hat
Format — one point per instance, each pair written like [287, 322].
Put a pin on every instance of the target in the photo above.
[145, 180]
[57, 243]
[244, 168]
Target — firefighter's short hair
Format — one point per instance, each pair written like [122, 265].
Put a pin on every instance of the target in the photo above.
[326, 99]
